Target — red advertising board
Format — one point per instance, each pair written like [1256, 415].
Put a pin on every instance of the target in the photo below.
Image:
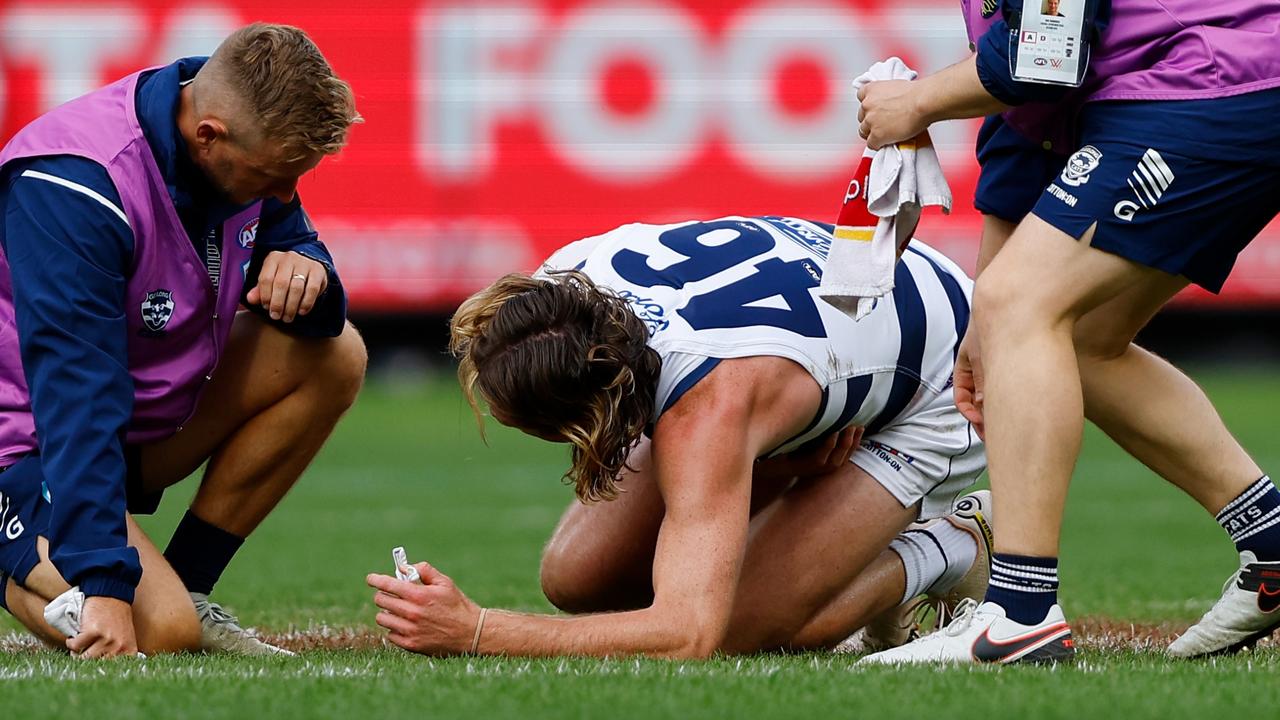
[495, 132]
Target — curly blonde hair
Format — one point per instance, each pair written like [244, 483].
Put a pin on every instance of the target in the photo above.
[561, 357]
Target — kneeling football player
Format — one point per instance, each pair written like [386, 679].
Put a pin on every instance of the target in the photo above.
[749, 461]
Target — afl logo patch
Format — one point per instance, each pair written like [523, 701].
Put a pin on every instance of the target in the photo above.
[248, 234]
[156, 310]
[989, 7]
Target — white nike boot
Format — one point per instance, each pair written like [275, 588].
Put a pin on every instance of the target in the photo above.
[1248, 611]
[982, 633]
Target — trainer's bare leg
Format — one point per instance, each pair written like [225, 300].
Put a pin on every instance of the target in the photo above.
[1146, 405]
[1026, 307]
[1152, 409]
[163, 617]
[270, 406]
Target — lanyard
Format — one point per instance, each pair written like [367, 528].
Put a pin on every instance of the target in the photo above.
[213, 258]
[1050, 45]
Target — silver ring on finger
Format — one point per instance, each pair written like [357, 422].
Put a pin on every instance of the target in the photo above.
[300, 276]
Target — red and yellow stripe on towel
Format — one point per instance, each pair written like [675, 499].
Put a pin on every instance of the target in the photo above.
[856, 222]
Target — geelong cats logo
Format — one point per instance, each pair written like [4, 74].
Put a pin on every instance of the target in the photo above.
[156, 310]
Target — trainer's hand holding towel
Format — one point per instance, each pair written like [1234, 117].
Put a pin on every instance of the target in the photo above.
[881, 210]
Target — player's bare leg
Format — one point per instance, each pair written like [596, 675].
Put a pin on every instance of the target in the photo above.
[163, 616]
[269, 408]
[815, 569]
[600, 556]
[875, 591]
[807, 550]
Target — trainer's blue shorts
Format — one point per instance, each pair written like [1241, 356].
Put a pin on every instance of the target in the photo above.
[25, 510]
[1014, 171]
[24, 514]
[1181, 186]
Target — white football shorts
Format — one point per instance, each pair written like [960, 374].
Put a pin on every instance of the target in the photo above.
[929, 455]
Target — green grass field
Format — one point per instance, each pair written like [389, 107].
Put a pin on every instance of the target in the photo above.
[407, 467]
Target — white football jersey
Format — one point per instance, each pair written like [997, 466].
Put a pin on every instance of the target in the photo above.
[741, 287]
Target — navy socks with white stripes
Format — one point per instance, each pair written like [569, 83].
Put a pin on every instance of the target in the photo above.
[1026, 587]
[1253, 520]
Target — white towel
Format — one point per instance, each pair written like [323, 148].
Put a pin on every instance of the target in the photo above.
[902, 179]
[64, 612]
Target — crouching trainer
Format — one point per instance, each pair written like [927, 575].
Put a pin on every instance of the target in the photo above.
[138, 220]
[749, 461]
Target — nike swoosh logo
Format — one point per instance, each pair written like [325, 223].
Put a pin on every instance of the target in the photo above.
[987, 650]
[1268, 599]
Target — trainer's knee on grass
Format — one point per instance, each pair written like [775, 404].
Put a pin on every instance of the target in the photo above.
[173, 630]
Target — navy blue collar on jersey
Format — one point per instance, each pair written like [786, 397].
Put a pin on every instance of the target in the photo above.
[200, 205]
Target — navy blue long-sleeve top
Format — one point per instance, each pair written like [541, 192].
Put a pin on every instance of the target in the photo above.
[69, 253]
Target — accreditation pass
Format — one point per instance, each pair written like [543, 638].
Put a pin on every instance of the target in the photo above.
[1050, 46]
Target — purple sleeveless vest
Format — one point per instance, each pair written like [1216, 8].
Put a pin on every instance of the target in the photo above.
[178, 323]
[1160, 50]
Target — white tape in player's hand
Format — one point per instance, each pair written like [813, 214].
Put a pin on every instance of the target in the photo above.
[404, 571]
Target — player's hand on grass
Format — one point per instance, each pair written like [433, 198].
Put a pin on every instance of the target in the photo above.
[889, 113]
[289, 285]
[825, 457]
[106, 630]
[433, 618]
[968, 382]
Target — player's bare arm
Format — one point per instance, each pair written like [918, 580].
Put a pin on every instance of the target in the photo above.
[704, 450]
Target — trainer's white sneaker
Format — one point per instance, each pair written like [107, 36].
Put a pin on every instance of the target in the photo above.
[982, 633]
[904, 623]
[221, 631]
[1248, 611]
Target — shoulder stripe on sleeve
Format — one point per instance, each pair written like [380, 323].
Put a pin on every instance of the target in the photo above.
[688, 381]
[80, 189]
